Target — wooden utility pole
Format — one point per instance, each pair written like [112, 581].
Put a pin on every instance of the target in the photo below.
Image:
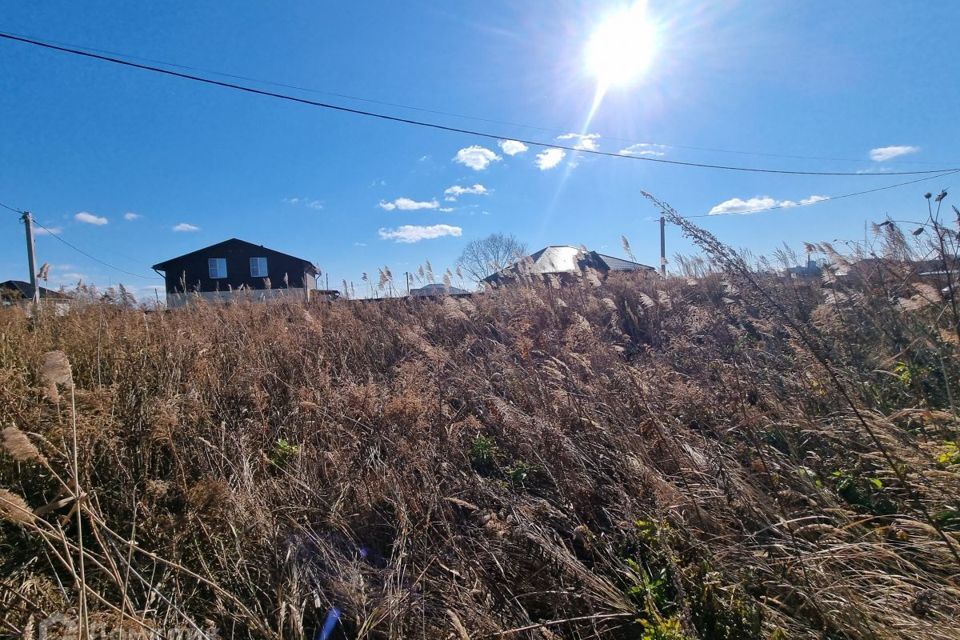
[663, 247]
[31, 259]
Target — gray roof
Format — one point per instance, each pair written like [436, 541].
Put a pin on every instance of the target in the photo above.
[438, 290]
[565, 259]
[619, 264]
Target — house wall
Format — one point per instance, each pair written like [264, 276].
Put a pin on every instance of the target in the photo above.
[178, 300]
[192, 270]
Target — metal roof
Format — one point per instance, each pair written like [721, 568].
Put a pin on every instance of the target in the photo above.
[438, 290]
[619, 264]
[565, 259]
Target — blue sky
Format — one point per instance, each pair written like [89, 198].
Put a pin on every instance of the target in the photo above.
[830, 81]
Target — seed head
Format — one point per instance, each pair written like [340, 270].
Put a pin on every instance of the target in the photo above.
[15, 509]
[55, 371]
[18, 445]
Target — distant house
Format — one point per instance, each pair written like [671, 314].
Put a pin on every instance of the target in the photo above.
[564, 261]
[17, 290]
[235, 269]
[434, 290]
[809, 270]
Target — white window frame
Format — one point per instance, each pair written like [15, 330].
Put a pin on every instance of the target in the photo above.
[213, 268]
[256, 262]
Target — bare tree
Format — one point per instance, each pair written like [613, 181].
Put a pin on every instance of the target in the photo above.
[483, 257]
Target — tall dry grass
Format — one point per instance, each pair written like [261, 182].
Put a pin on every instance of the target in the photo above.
[736, 455]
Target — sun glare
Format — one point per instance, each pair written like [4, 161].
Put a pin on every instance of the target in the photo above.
[622, 47]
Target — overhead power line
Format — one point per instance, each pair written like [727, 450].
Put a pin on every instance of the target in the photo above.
[16, 211]
[50, 232]
[94, 258]
[450, 114]
[437, 126]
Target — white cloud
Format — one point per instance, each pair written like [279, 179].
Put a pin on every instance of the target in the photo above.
[304, 202]
[445, 209]
[550, 158]
[359, 244]
[454, 192]
[644, 149]
[760, 203]
[882, 154]
[415, 233]
[406, 204]
[130, 215]
[46, 231]
[476, 157]
[512, 147]
[582, 141]
[89, 218]
[185, 226]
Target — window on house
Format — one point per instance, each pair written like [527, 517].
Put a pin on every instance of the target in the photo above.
[258, 267]
[217, 268]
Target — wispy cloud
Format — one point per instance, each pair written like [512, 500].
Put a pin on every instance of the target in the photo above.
[582, 141]
[304, 202]
[186, 227]
[549, 158]
[89, 218]
[46, 231]
[476, 157]
[130, 215]
[410, 233]
[645, 149]
[512, 147]
[452, 193]
[882, 154]
[406, 204]
[359, 244]
[760, 203]
[445, 209]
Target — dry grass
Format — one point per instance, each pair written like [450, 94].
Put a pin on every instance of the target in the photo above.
[731, 456]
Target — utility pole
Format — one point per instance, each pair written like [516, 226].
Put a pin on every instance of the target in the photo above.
[32, 266]
[663, 246]
[406, 277]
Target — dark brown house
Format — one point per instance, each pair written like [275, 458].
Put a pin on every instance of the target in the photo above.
[18, 291]
[235, 269]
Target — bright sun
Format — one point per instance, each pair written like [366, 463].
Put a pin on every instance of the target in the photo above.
[622, 47]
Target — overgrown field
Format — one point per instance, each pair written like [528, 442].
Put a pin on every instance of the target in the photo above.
[728, 456]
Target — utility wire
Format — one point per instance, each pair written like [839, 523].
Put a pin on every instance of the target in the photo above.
[345, 96]
[94, 258]
[78, 249]
[827, 198]
[17, 211]
[440, 127]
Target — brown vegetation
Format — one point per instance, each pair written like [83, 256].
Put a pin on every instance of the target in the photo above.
[732, 456]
